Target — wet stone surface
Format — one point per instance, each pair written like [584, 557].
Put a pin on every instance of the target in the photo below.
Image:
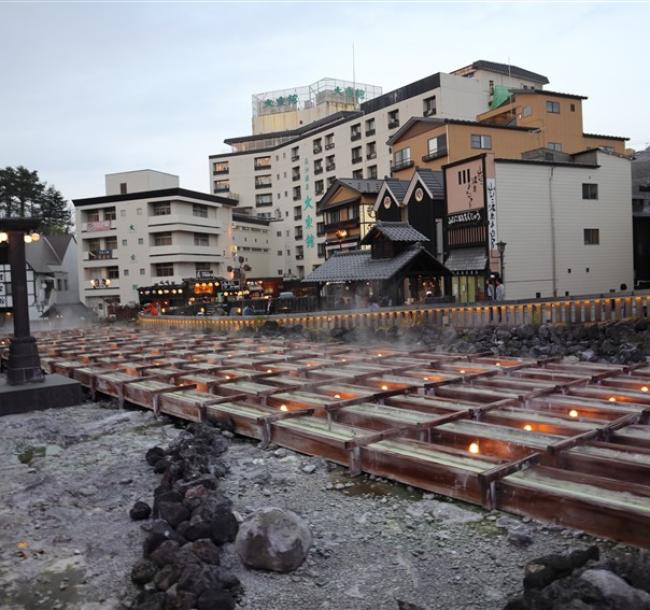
[70, 477]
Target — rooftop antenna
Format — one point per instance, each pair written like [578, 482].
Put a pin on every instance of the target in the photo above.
[354, 81]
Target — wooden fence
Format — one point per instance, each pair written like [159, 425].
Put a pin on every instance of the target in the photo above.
[568, 310]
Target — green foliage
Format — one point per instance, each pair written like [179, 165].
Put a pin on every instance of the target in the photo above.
[292, 99]
[280, 101]
[268, 103]
[22, 194]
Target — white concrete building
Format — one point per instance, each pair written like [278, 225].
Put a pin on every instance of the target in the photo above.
[282, 174]
[147, 229]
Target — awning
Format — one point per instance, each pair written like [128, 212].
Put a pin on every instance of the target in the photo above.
[467, 259]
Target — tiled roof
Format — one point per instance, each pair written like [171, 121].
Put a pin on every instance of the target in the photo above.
[509, 70]
[395, 231]
[434, 180]
[397, 187]
[357, 265]
[362, 186]
[467, 259]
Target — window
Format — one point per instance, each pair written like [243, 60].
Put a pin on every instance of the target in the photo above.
[92, 216]
[140, 241]
[372, 172]
[65, 284]
[264, 181]
[297, 212]
[330, 163]
[556, 146]
[479, 141]
[592, 237]
[109, 214]
[357, 174]
[220, 167]
[355, 132]
[329, 141]
[371, 150]
[300, 252]
[138, 211]
[590, 191]
[122, 213]
[297, 232]
[262, 163]
[491, 87]
[122, 188]
[429, 106]
[321, 250]
[141, 271]
[333, 216]
[296, 193]
[526, 111]
[318, 166]
[126, 272]
[295, 154]
[162, 208]
[436, 148]
[112, 273]
[463, 176]
[200, 210]
[124, 242]
[318, 145]
[401, 158]
[221, 186]
[163, 269]
[265, 199]
[553, 107]
[370, 127]
[356, 154]
[201, 239]
[320, 228]
[319, 187]
[162, 239]
[393, 119]
[573, 107]
[202, 267]
[331, 181]
[295, 173]
[279, 252]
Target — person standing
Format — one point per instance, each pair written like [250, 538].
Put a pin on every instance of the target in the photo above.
[500, 292]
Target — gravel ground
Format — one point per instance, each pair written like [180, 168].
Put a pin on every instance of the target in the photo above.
[69, 477]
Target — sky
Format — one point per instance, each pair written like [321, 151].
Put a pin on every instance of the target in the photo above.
[89, 88]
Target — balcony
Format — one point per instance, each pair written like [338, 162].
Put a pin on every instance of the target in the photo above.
[357, 159]
[263, 185]
[101, 286]
[370, 132]
[299, 257]
[442, 152]
[402, 165]
[318, 149]
[393, 123]
[260, 166]
[330, 167]
[178, 221]
[371, 155]
[221, 189]
[355, 136]
[297, 197]
[295, 158]
[219, 172]
[96, 226]
[97, 255]
[352, 223]
[295, 177]
[329, 146]
[318, 169]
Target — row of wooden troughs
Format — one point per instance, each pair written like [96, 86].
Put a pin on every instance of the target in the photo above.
[568, 443]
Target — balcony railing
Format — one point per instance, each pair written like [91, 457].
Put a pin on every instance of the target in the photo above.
[402, 165]
[329, 146]
[317, 149]
[259, 166]
[357, 159]
[370, 132]
[442, 152]
[94, 226]
[393, 123]
[221, 189]
[297, 197]
[318, 169]
[330, 167]
[295, 157]
[263, 185]
[103, 254]
[371, 155]
[299, 257]
[355, 136]
[217, 172]
[295, 177]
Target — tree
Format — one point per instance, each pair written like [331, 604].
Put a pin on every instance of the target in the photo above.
[23, 194]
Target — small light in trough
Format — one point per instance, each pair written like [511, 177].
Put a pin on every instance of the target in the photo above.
[644, 388]
[573, 413]
[269, 370]
[337, 396]
[227, 376]
[425, 379]
[474, 448]
[612, 399]
[384, 387]
[462, 371]
[284, 408]
[498, 364]
[528, 428]
[379, 355]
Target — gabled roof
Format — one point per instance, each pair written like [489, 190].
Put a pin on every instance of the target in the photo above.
[506, 70]
[431, 181]
[358, 265]
[362, 187]
[548, 93]
[394, 188]
[395, 231]
[167, 192]
[59, 243]
[47, 252]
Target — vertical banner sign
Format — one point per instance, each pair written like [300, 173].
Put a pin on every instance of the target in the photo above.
[491, 188]
[308, 209]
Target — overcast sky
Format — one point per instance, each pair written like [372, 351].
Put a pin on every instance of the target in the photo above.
[92, 88]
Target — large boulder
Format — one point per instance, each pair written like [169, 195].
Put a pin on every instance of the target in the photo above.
[273, 539]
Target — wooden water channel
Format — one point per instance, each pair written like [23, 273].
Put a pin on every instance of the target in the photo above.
[568, 443]
[569, 310]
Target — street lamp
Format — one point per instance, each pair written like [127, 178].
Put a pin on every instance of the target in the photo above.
[501, 248]
[341, 234]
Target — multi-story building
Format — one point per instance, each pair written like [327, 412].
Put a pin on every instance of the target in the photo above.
[276, 173]
[641, 216]
[147, 229]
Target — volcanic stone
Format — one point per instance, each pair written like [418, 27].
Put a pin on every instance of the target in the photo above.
[143, 571]
[154, 455]
[139, 511]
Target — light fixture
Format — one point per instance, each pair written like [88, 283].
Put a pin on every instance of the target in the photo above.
[498, 364]
[35, 236]
[28, 239]
[573, 413]
[528, 428]
[474, 448]
[384, 387]
[337, 396]
[462, 371]
[284, 408]
[644, 388]
[612, 399]
[425, 378]
[4, 236]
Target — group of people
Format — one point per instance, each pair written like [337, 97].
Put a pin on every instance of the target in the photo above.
[496, 291]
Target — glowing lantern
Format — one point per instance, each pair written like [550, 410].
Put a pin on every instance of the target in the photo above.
[462, 371]
[528, 428]
[337, 396]
[284, 408]
[612, 399]
[384, 387]
[498, 364]
[474, 448]
[573, 413]
[644, 388]
[425, 378]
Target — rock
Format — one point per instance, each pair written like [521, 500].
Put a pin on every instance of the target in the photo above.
[205, 550]
[153, 455]
[309, 468]
[520, 538]
[166, 577]
[224, 527]
[614, 588]
[173, 512]
[273, 539]
[139, 511]
[143, 571]
[161, 465]
[543, 571]
[159, 532]
[215, 600]
[165, 553]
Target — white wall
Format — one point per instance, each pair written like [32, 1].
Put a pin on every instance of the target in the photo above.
[139, 180]
[524, 194]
